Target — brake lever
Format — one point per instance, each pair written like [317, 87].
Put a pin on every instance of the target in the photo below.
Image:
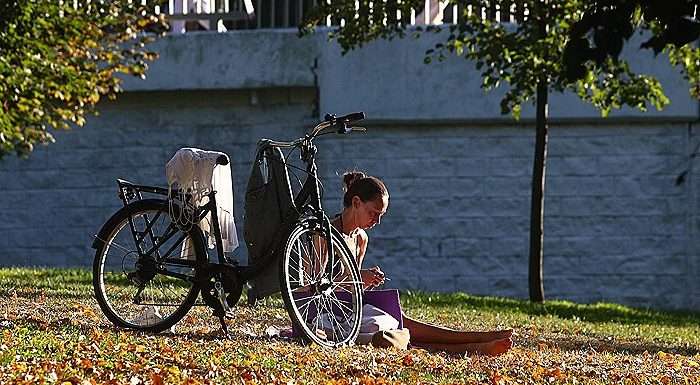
[342, 128]
[358, 129]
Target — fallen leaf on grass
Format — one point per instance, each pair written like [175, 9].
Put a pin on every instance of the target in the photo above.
[86, 311]
[156, 379]
[496, 379]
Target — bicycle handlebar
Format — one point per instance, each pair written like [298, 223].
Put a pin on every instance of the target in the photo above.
[339, 124]
[352, 117]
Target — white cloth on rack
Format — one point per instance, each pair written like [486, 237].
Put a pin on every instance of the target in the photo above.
[195, 171]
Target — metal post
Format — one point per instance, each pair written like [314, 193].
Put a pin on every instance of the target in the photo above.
[272, 13]
[300, 12]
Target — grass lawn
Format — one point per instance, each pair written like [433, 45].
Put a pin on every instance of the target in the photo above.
[54, 333]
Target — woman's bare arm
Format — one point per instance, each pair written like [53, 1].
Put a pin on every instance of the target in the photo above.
[372, 276]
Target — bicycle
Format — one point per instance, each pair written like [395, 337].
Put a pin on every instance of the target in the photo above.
[151, 261]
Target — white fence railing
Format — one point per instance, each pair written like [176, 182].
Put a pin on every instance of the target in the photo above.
[223, 15]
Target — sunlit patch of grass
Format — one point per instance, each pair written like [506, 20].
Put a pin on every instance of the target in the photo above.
[58, 282]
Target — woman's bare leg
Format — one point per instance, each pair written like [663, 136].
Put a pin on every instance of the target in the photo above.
[432, 334]
[491, 348]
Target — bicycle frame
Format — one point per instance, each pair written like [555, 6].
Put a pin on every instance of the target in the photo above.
[308, 198]
[129, 191]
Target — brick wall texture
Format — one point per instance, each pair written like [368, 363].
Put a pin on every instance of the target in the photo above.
[617, 226]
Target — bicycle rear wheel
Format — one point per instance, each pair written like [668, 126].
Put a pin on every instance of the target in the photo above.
[145, 267]
[324, 303]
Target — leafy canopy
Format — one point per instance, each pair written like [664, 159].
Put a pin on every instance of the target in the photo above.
[534, 45]
[672, 27]
[59, 58]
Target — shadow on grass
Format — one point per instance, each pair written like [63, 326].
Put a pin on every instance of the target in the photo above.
[598, 312]
[56, 276]
[46, 282]
[210, 335]
[52, 325]
[7, 293]
[582, 344]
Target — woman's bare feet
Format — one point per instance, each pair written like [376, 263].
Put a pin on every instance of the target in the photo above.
[496, 347]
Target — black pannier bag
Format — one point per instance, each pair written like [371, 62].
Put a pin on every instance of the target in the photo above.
[269, 216]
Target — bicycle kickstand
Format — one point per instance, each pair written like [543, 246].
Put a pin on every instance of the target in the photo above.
[218, 304]
[224, 309]
[224, 328]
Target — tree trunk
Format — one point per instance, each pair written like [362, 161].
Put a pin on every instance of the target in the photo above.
[537, 196]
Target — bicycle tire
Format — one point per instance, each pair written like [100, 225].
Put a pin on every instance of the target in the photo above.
[136, 272]
[313, 299]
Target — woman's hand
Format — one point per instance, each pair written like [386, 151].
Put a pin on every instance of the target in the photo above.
[372, 277]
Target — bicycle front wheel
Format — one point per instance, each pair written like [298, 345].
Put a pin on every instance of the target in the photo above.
[323, 301]
[144, 271]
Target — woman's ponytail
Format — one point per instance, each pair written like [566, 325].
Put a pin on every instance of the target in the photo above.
[350, 177]
[367, 188]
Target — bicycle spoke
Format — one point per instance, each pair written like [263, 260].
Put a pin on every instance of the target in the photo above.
[301, 271]
[311, 263]
[335, 301]
[317, 319]
[342, 305]
[306, 304]
[299, 289]
[306, 261]
[305, 313]
[340, 271]
[318, 257]
[346, 283]
[299, 246]
[330, 317]
[149, 225]
[334, 319]
[119, 246]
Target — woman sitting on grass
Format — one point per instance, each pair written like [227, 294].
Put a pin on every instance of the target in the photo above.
[366, 199]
